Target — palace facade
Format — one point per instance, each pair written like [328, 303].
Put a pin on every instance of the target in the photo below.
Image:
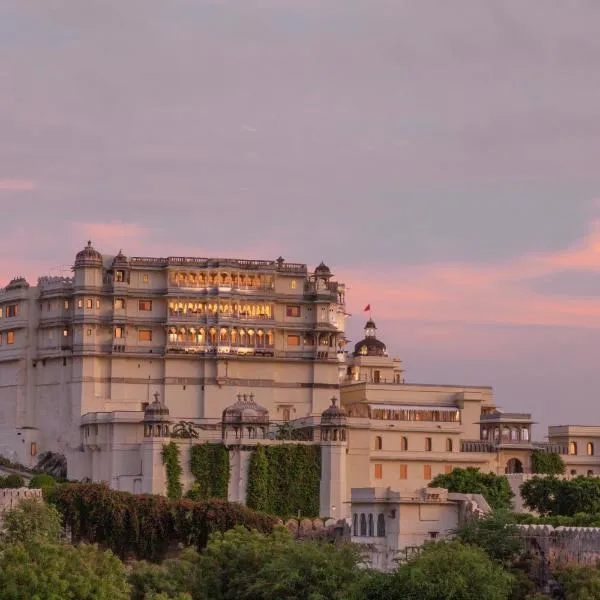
[104, 367]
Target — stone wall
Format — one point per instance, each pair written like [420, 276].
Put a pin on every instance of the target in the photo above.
[9, 498]
[579, 545]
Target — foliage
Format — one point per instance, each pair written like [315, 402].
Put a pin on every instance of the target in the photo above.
[31, 521]
[496, 534]
[494, 488]
[43, 481]
[170, 458]
[579, 583]
[548, 463]
[562, 497]
[46, 571]
[146, 526]
[12, 481]
[284, 480]
[443, 570]
[209, 464]
[578, 520]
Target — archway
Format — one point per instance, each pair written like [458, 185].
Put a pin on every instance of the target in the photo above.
[514, 465]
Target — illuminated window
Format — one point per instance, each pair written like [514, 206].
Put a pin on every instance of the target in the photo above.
[89, 303]
[1, 311]
[427, 472]
[145, 305]
[145, 278]
[33, 449]
[66, 305]
[80, 303]
[145, 335]
[97, 303]
[119, 303]
[118, 333]
[65, 332]
[293, 284]
[10, 337]
[378, 442]
[120, 276]
[448, 469]
[590, 449]
[378, 471]
[428, 444]
[292, 310]
[89, 332]
[572, 447]
[377, 376]
[403, 471]
[12, 310]
[293, 340]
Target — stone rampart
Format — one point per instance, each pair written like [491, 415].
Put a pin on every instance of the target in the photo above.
[579, 545]
[10, 498]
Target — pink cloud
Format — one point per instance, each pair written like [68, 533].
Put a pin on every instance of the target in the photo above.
[17, 185]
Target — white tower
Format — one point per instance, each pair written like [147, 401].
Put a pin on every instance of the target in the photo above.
[156, 435]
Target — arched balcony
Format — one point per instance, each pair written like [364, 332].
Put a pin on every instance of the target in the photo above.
[226, 280]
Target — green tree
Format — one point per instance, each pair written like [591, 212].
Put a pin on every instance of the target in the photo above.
[496, 534]
[31, 521]
[443, 571]
[579, 583]
[43, 571]
[257, 496]
[539, 494]
[42, 482]
[562, 497]
[548, 463]
[12, 481]
[494, 488]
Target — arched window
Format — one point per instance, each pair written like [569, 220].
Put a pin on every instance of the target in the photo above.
[525, 434]
[590, 473]
[404, 443]
[380, 525]
[371, 531]
[355, 524]
[505, 433]
[572, 447]
[378, 443]
[514, 435]
[363, 525]
[573, 472]
[496, 434]
[449, 445]
[428, 444]
[590, 449]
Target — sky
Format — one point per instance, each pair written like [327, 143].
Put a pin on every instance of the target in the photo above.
[441, 157]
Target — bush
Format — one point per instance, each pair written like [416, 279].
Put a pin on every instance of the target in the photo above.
[12, 481]
[42, 482]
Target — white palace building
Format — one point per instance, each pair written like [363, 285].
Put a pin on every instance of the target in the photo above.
[102, 368]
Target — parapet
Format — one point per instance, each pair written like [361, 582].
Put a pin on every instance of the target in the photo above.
[10, 497]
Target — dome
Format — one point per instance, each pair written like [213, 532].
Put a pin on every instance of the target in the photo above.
[120, 260]
[16, 283]
[370, 345]
[333, 413]
[88, 257]
[323, 270]
[156, 410]
[245, 410]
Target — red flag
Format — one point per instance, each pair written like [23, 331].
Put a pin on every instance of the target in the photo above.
[367, 307]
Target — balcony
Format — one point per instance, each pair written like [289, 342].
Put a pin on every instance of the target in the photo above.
[476, 446]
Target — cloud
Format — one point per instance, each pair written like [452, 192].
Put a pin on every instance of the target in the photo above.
[17, 185]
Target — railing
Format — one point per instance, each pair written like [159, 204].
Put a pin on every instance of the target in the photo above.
[217, 263]
[199, 317]
[550, 447]
[476, 446]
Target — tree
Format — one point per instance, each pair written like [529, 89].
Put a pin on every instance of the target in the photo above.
[42, 482]
[539, 494]
[494, 488]
[32, 521]
[257, 496]
[46, 571]
[562, 497]
[443, 571]
[496, 534]
[548, 463]
[579, 583]
[12, 481]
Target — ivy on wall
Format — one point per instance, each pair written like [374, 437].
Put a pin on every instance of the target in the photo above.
[284, 480]
[209, 464]
[170, 458]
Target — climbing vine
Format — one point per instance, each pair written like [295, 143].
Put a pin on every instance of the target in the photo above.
[285, 479]
[170, 458]
[209, 464]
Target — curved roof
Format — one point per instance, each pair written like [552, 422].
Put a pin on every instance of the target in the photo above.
[370, 345]
[16, 283]
[245, 410]
[120, 260]
[88, 257]
[323, 270]
[334, 414]
[156, 410]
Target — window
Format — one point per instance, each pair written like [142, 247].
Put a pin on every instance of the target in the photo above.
[1, 311]
[33, 449]
[292, 310]
[403, 471]
[355, 531]
[48, 306]
[0, 337]
[65, 332]
[89, 303]
[525, 434]
[118, 333]
[145, 278]
[514, 435]
[572, 447]
[145, 335]
[371, 530]
[66, 305]
[363, 525]
[449, 445]
[590, 473]
[10, 337]
[286, 414]
[573, 471]
[380, 525]
[428, 444]
[427, 472]
[119, 303]
[293, 340]
[378, 471]
[97, 303]
[293, 284]
[120, 276]
[404, 443]
[80, 303]
[505, 433]
[12, 310]
[377, 376]
[89, 332]
[590, 449]
[378, 442]
[447, 469]
[145, 305]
